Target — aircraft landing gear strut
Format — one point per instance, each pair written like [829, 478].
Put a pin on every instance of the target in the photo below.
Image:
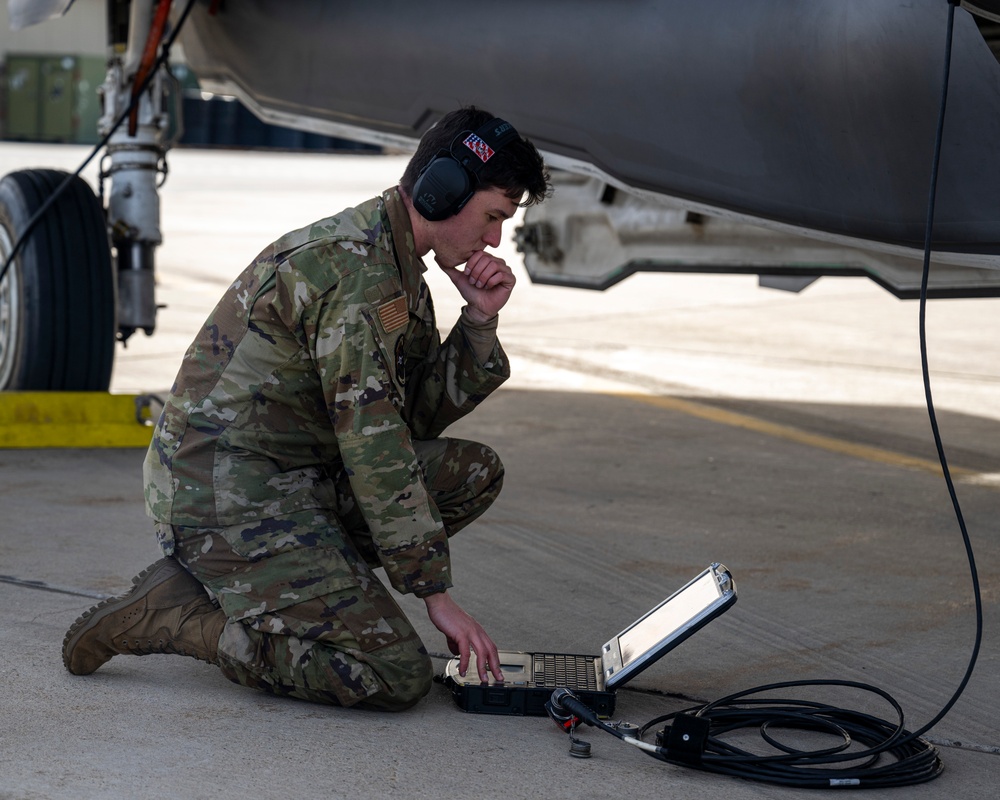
[83, 277]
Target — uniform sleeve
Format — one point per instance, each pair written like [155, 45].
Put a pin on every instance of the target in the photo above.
[450, 383]
[354, 354]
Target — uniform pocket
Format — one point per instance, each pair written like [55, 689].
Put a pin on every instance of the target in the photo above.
[301, 563]
[390, 346]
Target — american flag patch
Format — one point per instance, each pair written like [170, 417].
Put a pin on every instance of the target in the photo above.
[393, 315]
[479, 147]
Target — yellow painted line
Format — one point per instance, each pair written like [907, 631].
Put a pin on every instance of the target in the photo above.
[71, 419]
[797, 435]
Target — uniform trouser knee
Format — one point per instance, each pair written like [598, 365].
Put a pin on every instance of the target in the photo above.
[341, 640]
[350, 644]
[393, 678]
[462, 478]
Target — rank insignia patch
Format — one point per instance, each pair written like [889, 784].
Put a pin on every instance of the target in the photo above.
[393, 315]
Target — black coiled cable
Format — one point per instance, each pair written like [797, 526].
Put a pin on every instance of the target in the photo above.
[867, 751]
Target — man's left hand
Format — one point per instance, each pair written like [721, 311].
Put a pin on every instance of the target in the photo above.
[485, 284]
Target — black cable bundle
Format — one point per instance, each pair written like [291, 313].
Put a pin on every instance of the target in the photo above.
[889, 754]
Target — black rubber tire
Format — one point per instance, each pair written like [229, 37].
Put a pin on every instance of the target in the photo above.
[57, 302]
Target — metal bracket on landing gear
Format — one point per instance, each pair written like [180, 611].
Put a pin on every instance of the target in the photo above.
[134, 161]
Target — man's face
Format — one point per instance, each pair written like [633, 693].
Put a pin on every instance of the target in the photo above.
[474, 228]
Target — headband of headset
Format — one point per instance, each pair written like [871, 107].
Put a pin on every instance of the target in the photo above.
[447, 183]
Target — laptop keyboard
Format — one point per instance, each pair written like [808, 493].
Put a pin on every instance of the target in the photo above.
[558, 669]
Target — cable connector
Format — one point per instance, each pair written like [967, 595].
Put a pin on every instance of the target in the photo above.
[563, 705]
[686, 738]
[566, 718]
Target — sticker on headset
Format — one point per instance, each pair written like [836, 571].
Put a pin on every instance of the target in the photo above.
[479, 147]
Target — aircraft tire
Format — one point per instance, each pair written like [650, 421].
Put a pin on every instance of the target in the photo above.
[57, 299]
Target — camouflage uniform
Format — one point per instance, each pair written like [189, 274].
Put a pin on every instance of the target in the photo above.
[299, 448]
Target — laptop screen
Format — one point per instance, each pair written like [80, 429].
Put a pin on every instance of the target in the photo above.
[670, 618]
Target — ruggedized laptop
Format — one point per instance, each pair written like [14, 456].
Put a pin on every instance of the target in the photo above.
[530, 678]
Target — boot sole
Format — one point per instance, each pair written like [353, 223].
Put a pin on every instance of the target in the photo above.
[144, 582]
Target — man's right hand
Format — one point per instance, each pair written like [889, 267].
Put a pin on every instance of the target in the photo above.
[464, 635]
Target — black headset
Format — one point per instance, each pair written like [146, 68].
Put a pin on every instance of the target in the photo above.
[445, 185]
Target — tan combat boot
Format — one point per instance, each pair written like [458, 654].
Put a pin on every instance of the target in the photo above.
[166, 611]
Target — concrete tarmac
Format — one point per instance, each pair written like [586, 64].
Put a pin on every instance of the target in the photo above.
[648, 430]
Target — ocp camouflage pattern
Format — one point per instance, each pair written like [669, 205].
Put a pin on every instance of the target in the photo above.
[307, 368]
[308, 618]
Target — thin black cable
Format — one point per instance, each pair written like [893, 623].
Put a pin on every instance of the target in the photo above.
[925, 371]
[43, 209]
[915, 760]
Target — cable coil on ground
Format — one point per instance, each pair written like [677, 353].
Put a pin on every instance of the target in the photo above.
[889, 754]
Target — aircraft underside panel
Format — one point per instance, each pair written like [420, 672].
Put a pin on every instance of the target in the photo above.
[590, 236]
[813, 117]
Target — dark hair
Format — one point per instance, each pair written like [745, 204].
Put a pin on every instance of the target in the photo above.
[517, 169]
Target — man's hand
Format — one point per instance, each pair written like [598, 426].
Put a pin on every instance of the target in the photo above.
[485, 283]
[464, 634]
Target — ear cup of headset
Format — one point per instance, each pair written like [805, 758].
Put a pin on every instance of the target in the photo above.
[442, 188]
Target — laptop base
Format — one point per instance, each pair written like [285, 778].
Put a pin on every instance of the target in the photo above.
[514, 697]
